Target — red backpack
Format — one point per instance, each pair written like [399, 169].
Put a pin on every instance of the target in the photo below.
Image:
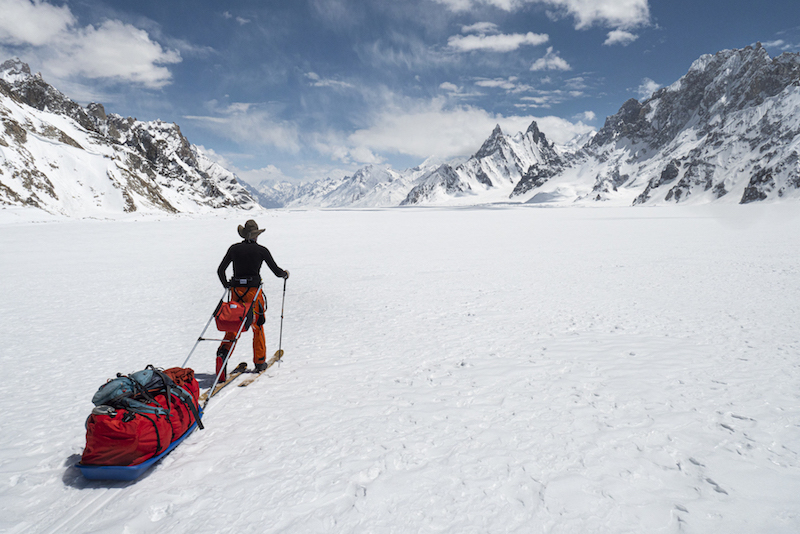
[230, 315]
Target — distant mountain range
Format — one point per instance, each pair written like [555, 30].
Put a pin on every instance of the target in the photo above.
[727, 131]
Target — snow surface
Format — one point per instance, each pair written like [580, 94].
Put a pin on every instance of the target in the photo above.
[505, 369]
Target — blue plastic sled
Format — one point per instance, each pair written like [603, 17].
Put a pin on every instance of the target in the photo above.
[130, 472]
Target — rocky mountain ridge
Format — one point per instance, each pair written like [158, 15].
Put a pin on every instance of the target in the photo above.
[729, 129]
[63, 158]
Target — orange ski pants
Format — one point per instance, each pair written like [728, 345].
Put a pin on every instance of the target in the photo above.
[247, 294]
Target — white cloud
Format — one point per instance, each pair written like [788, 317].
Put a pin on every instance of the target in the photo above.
[114, 50]
[467, 5]
[496, 43]
[270, 173]
[647, 88]
[449, 87]
[586, 13]
[587, 116]
[550, 61]
[510, 84]
[780, 44]
[609, 13]
[430, 129]
[502, 83]
[620, 37]
[250, 124]
[561, 130]
[33, 23]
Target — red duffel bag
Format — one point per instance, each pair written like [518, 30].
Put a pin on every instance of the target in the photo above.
[180, 415]
[122, 437]
[184, 377]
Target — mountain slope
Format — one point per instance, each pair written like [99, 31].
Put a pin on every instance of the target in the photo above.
[63, 158]
[729, 130]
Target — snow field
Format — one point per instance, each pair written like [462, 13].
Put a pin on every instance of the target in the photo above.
[447, 370]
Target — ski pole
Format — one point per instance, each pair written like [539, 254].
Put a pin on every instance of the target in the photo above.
[199, 339]
[279, 353]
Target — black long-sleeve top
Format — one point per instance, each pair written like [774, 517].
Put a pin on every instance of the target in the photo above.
[247, 257]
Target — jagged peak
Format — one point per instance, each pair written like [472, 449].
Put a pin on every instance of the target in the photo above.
[536, 135]
[15, 70]
[491, 144]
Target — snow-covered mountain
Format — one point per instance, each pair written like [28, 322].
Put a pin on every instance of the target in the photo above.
[63, 158]
[729, 130]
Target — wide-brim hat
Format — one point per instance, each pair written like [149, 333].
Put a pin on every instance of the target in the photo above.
[250, 230]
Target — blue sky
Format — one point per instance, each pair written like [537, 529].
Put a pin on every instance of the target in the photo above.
[304, 89]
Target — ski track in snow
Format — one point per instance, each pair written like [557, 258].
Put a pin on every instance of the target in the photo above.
[447, 370]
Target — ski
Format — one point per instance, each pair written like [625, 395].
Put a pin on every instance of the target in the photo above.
[240, 369]
[276, 358]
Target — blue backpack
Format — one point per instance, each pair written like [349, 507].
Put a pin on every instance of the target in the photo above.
[135, 393]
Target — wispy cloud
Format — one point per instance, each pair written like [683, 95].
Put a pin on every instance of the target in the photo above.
[511, 84]
[543, 99]
[550, 61]
[496, 43]
[481, 27]
[318, 81]
[781, 45]
[250, 124]
[114, 50]
[241, 20]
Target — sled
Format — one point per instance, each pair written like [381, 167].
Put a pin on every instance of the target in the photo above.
[130, 472]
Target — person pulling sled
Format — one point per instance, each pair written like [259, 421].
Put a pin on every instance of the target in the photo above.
[247, 258]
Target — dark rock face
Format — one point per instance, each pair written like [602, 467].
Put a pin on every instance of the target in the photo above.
[668, 175]
[444, 179]
[494, 143]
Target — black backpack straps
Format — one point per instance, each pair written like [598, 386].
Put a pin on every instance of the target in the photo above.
[239, 298]
[155, 426]
[187, 399]
[167, 382]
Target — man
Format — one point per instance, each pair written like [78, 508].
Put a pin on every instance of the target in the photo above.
[247, 257]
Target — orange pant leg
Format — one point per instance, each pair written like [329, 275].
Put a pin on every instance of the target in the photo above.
[259, 340]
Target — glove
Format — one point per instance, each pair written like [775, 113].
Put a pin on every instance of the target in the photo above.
[286, 275]
[260, 320]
